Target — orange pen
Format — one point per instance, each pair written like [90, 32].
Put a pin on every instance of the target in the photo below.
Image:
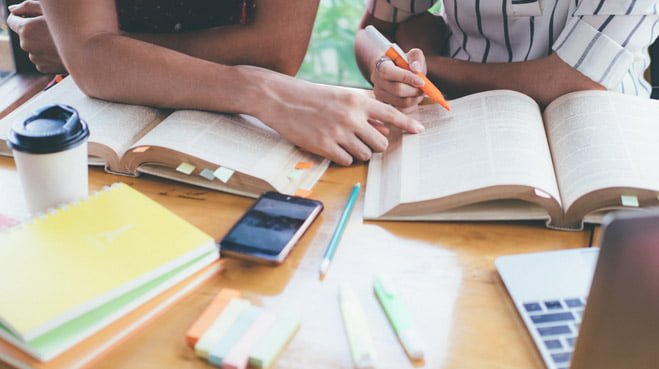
[397, 55]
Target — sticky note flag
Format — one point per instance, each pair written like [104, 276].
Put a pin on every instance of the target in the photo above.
[220, 350]
[237, 357]
[541, 193]
[6, 222]
[295, 174]
[220, 327]
[302, 193]
[185, 168]
[629, 200]
[141, 149]
[304, 165]
[223, 174]
[266, 350]
[209, 315]
[208, 174]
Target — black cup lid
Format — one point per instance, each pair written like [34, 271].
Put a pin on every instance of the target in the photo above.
[51, 129]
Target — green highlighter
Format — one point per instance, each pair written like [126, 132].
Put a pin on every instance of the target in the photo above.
[400, 318]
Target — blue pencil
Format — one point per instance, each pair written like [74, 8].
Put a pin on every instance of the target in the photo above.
[338, 232]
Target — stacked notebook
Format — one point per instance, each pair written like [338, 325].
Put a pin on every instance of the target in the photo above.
[78, 279]
[232, 333]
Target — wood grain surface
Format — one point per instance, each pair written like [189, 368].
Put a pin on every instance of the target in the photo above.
[445, 271]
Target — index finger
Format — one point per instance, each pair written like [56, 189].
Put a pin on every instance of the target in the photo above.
[390, 115]
[394, 73]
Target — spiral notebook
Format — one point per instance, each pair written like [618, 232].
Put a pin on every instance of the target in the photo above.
[67, 274]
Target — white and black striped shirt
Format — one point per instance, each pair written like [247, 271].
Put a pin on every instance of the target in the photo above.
[606, 40]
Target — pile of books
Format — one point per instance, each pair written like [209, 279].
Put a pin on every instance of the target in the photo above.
[77, 280]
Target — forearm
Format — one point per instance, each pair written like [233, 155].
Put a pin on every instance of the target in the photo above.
[543, 79]
[118, 68]
[277, 39]
[365, 55]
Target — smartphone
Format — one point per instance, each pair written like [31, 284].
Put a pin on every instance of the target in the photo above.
[270, 228]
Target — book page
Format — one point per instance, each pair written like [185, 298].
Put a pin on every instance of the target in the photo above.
[488, 139]
[238, 142]
[383, 179]
[601, 140]
[114, 125]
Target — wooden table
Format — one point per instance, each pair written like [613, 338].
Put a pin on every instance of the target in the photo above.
[444, 270]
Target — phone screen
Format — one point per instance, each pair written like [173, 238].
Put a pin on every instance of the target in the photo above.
[270, 224]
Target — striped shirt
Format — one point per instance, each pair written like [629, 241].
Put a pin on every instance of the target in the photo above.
[606, 40]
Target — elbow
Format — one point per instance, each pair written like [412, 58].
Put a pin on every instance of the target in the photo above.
[285, 61]
[82, 61]
[88, 84]
[288, 64]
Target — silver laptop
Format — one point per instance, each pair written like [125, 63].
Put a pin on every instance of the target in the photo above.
[619, 326]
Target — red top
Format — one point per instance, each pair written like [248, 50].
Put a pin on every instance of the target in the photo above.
[165, 16]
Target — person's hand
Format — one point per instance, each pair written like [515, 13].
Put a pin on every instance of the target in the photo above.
[27, 20]
[336, 123]
[397, 86]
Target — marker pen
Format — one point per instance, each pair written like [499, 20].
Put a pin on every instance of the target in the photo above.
[397, 55]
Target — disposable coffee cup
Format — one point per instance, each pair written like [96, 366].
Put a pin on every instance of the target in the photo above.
[50, 150]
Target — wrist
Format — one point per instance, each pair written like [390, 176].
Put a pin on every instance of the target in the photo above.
[244, 89]
[266, 94]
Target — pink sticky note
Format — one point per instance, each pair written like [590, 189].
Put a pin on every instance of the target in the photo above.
[6, 222]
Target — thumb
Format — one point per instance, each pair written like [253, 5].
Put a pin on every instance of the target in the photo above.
[417, 61]
[28, 8]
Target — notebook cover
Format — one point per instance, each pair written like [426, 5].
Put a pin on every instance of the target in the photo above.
[100, 343]
[82, 256]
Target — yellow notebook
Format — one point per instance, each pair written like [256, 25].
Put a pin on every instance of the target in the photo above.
[64, 264]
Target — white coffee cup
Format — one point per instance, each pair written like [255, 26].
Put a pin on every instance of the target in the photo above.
[50, 150]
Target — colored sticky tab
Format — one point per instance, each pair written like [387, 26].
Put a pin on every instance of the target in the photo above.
[220, 327]
[399, 317]
[209, 315]
[302, 193]
[6, 222]
[304, 165]
[359, 336]
[220, 350]
[629, 200]
[266, 350]
[141, 149]
[295, 174]
[208, 174]
[223, 174]
[541, 193]
[185, 168]
[237, 357]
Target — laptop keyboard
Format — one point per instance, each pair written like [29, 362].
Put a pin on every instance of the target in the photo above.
[557, 323]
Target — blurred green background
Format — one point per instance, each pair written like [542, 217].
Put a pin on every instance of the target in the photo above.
[331, 58]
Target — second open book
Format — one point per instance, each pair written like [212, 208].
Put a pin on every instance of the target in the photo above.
[497, 157]
[232, 153]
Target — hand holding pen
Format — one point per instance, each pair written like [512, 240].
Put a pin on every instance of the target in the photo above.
[399, 78]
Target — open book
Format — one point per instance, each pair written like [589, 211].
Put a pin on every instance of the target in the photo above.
[129, 139]
[496, 156]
